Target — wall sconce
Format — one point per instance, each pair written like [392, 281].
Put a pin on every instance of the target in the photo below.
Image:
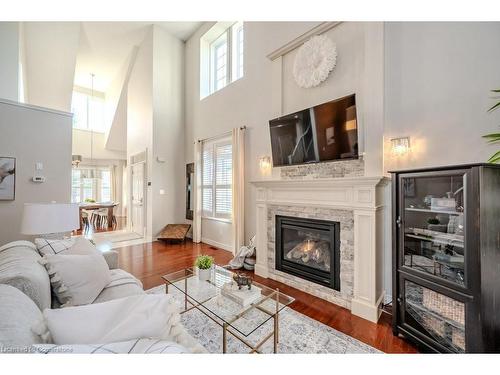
[265, 165]
[400, 146]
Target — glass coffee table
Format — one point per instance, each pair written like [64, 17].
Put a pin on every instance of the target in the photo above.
[220, 300]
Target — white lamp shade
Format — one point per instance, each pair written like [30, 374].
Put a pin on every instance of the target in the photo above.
[46, 218]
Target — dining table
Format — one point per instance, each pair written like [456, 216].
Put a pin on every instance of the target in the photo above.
[96, 206]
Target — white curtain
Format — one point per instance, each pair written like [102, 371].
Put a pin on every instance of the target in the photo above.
[197, 193]
[238, 142]
[112, 177]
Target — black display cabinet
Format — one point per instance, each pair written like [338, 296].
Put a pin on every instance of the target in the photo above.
[446, 257]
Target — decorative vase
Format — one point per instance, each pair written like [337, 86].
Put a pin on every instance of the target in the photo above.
[204, 275]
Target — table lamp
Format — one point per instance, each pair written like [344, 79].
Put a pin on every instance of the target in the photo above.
[50, 220]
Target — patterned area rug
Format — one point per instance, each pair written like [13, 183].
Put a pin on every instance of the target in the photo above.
[298, 333]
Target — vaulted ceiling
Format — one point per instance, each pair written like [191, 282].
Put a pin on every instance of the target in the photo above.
[105, 47]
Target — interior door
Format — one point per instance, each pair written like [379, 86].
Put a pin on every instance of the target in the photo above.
[137, 210]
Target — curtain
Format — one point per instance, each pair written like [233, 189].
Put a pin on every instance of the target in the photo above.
[197, 193]
[112, 177]
[238, 215]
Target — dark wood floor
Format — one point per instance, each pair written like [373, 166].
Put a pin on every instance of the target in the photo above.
[121, 223]
[150, 261]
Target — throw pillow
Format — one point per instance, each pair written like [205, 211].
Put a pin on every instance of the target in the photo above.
[47, 246]
[77, 279]
[75, 245]
[145, 315]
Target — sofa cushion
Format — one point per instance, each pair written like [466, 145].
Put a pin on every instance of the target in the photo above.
[18, 313]
[137, 346]
[19, 268]
[122, 284]
[77, 279]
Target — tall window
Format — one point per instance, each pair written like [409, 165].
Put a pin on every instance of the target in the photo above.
[87, 107]
[221, 56]
[217, 175]
[83, 187]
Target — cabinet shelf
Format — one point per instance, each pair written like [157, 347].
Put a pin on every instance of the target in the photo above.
[440, 241]
[411, 209]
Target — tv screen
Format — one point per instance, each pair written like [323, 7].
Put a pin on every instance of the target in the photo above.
[325, 132]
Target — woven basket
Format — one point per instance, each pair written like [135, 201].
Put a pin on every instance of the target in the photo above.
[444, 306]
[458, 338]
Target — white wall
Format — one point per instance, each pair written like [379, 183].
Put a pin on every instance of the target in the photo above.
[268, 88]
[51, 49]
[140, 114]
[116, 106]
[34, 135]
[168, 130]
[155, 123]
[438, 78]
[9, 61]
[82, 141]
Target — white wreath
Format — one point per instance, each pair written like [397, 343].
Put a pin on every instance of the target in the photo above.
[314, 61]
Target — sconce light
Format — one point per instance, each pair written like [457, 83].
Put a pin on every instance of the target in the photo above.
[400, 146]
[265, 165]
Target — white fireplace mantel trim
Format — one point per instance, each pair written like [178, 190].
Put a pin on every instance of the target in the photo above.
[363, 196]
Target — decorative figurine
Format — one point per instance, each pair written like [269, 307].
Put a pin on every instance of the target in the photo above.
[242, 280]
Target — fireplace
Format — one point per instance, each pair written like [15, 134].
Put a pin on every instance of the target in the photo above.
[310, 249]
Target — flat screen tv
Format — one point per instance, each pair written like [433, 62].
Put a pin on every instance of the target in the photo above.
[324, 132]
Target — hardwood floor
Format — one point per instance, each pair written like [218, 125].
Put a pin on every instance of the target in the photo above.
[121, 223]
[150, 261]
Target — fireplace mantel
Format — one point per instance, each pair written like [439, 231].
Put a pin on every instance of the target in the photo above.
[364, 196]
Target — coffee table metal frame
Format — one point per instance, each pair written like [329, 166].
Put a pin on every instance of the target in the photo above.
[226, 324]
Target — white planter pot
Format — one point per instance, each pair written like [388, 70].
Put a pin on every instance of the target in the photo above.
[204, 275]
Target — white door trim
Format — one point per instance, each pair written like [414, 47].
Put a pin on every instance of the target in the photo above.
[144, 194]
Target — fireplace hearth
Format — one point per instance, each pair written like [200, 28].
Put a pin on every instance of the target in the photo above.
[309, 249]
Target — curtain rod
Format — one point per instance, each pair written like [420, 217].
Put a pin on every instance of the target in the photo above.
[220, 135]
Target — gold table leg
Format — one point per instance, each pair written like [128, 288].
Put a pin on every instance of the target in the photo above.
[224, 338]
[185, 294]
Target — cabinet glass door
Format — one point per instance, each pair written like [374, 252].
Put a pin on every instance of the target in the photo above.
[435, 315]
[432, 225]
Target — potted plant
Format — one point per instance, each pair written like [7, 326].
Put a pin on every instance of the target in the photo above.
[204, 264]
[433, 223]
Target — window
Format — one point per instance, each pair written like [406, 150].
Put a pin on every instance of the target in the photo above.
[88, 111]
[217, 176]
[84, 187]
[221, 56]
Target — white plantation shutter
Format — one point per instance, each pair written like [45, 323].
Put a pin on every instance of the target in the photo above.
[217, 175]
[207, 179]
[224, 177]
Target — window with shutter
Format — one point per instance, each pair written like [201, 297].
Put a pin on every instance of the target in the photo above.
[217, 175]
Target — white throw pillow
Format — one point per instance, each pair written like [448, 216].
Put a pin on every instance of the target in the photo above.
[77, 279]
[48, 246]
[75, 245]
[140, 316]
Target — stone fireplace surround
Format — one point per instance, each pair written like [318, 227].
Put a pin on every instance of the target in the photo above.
[357, 204]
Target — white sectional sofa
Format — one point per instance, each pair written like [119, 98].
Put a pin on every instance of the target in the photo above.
[25, 293]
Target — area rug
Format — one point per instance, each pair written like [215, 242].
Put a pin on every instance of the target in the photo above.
[298, 333]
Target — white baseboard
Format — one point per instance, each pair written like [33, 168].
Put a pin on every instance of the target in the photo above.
[217, 244]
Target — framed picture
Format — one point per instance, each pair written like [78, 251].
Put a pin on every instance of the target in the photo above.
[7, 178]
